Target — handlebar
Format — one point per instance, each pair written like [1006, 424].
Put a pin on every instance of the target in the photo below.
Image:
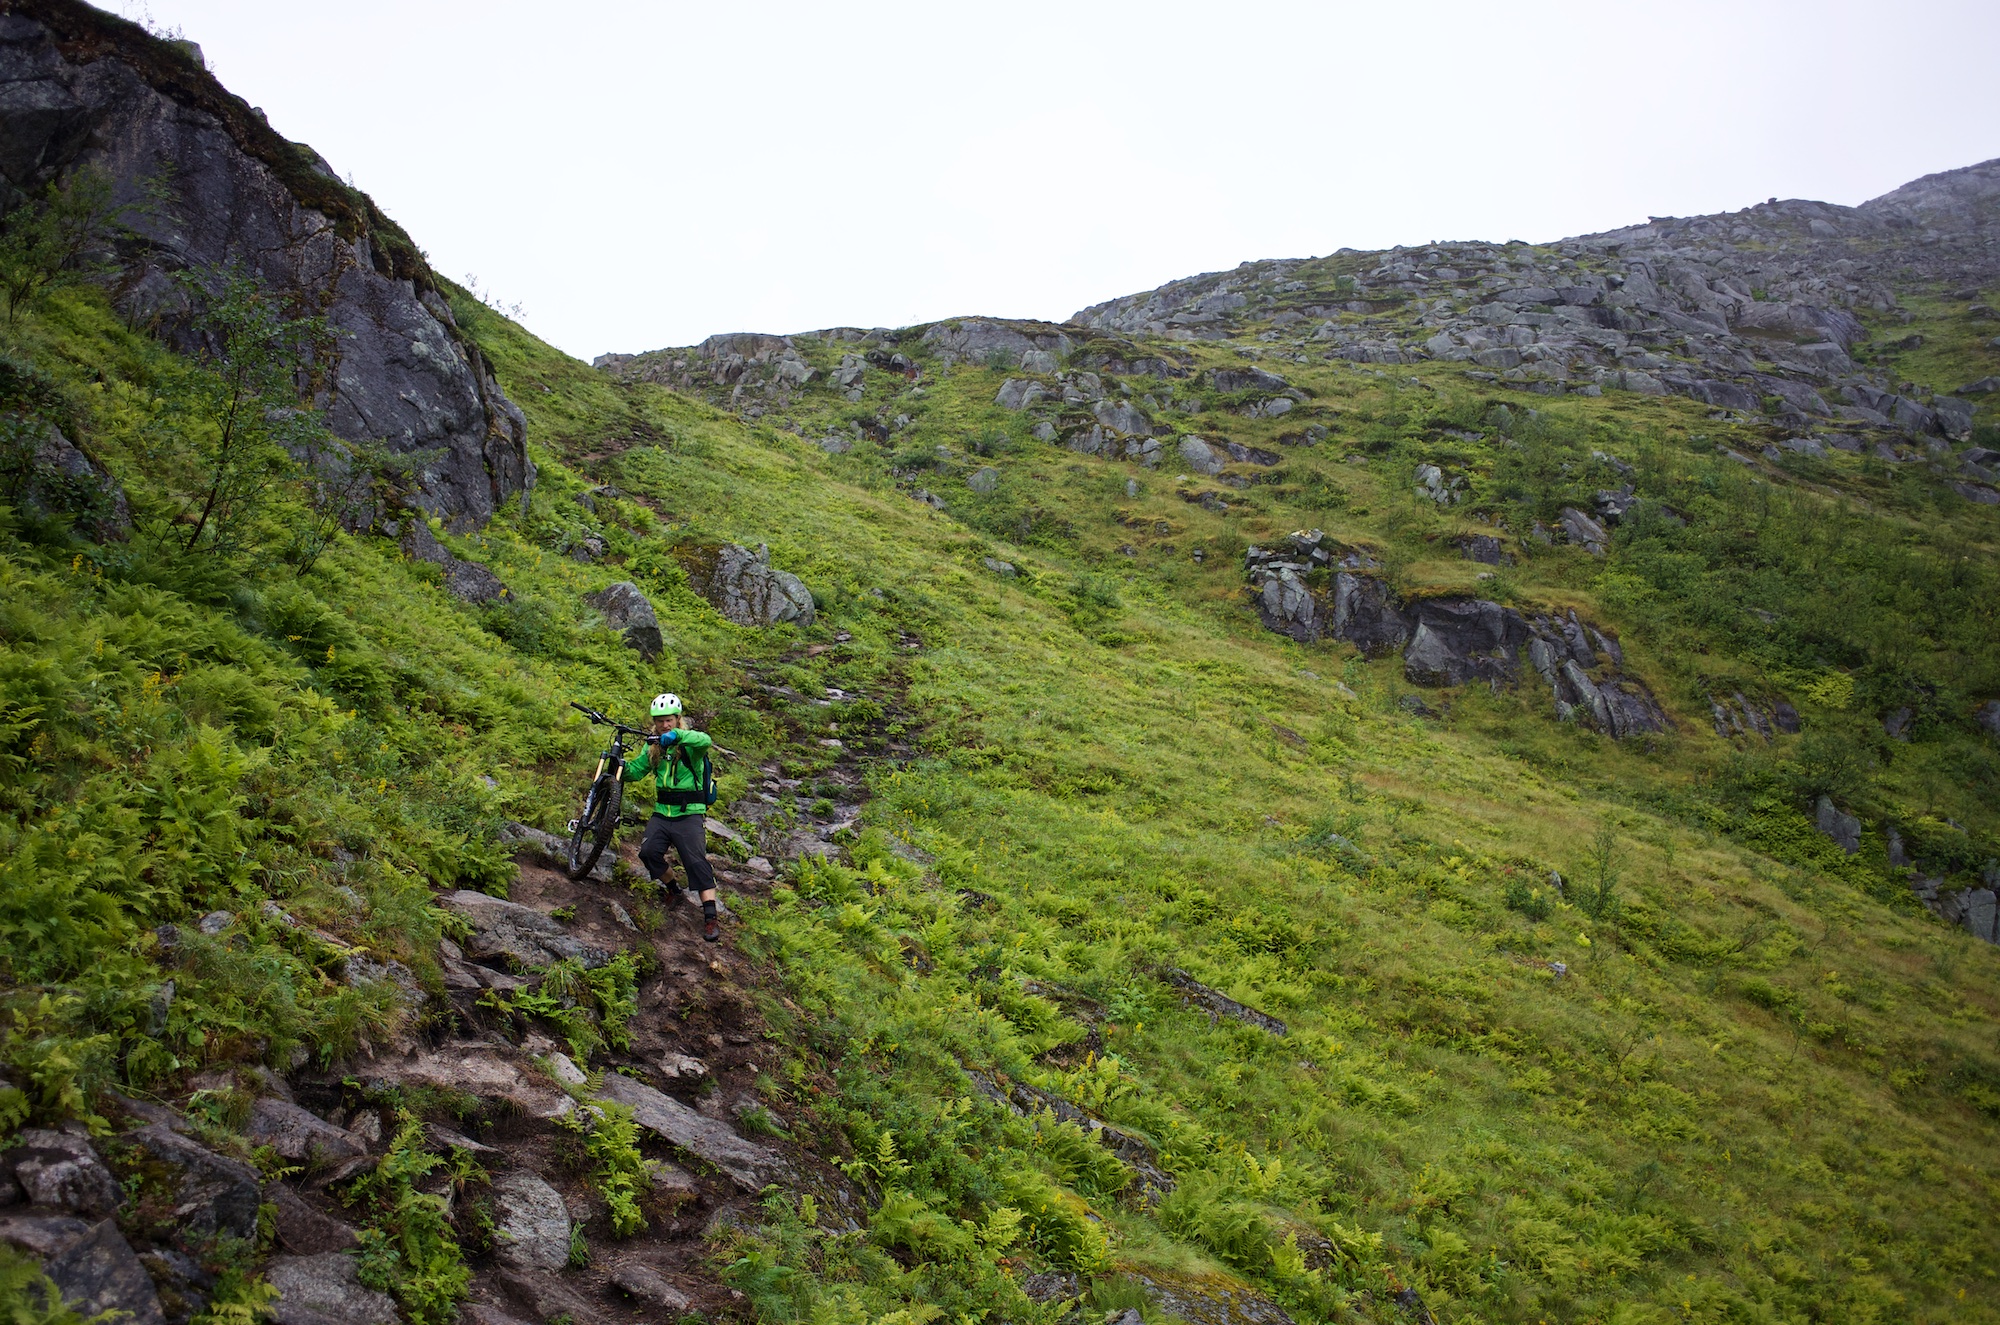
[599, 720]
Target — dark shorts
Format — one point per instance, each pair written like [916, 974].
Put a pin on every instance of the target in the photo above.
[689, 839]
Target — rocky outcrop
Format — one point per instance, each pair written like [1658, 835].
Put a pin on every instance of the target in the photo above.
[1842, 827]
[509, 931]
[62, 481]
[1310, 590]
[467, 581]
[471, 1068]
[746, 588]
[646, 1285]
[1219, 1004]
[1024, 1100]
[79, 88]
[630, 612]
[1764, 718]
[980, 340]
[1755, 312]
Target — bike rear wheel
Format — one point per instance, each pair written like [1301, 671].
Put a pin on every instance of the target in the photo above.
[594, 827]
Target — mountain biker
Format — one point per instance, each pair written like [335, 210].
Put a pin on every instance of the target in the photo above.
[679, 755]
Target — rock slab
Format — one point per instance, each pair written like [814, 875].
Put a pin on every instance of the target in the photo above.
[531, 1222]
[326, 1289]
[751, 1166]
[503, 929]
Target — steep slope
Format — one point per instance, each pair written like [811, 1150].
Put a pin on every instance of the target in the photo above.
[1133, 902]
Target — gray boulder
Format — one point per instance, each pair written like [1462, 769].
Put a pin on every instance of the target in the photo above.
[650, 1287]
[1251, 455]
[41, 1236]
[1842, 827]
[1200, 456]
[1004, 569]
[1979, 912]
[62, 1170]
[1457, 640]
[984, 480]
[300, 1228]
[531, 1222]
[1954, 416]
[1484, 549]
[1583, 531]
[1288, 607]
[467, 581]
[298, 1135]
[516, 933]
[62, 480]
[84, 92]
[212, 1193]
[98, 1272]
[1039, 361]
[1019, 393]
[1365, 615]
[745, 588]
[631, 613]
[1246, 379]
[326, 1289]
[1122, 416]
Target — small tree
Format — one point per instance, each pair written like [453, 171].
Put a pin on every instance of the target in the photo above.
[1603, 864]
[243, 405]
[46, 241]
[349, 485]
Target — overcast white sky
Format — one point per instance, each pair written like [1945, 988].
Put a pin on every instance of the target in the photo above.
[641, 173]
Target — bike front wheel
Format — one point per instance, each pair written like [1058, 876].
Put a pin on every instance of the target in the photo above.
[594, 827]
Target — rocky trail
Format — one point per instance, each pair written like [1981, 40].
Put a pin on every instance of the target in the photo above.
[137, 1220]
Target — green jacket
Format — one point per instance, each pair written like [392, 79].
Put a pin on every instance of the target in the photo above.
[678, 761]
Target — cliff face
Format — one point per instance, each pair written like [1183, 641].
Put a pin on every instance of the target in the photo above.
[80, 88]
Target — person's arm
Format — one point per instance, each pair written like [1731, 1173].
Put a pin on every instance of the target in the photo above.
[688, 740]
[639, 765]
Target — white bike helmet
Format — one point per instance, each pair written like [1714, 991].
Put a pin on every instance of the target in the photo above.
[667, 705]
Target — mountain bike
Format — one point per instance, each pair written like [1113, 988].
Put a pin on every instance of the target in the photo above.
[590, 832]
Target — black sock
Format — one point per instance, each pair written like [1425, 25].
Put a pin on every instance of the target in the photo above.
[708, 909]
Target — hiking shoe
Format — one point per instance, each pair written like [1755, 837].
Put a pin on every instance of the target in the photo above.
[712, 931]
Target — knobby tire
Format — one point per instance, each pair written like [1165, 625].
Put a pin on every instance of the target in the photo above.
[595, 825]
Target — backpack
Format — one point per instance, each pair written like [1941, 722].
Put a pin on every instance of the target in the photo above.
[702, 794]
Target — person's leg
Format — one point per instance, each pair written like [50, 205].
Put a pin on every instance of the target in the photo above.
[653, 850]
[690, 838]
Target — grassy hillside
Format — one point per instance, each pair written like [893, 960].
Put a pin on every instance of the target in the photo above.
[1731, 1073]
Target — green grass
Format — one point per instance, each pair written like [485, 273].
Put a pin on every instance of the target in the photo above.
[1765, 1088]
